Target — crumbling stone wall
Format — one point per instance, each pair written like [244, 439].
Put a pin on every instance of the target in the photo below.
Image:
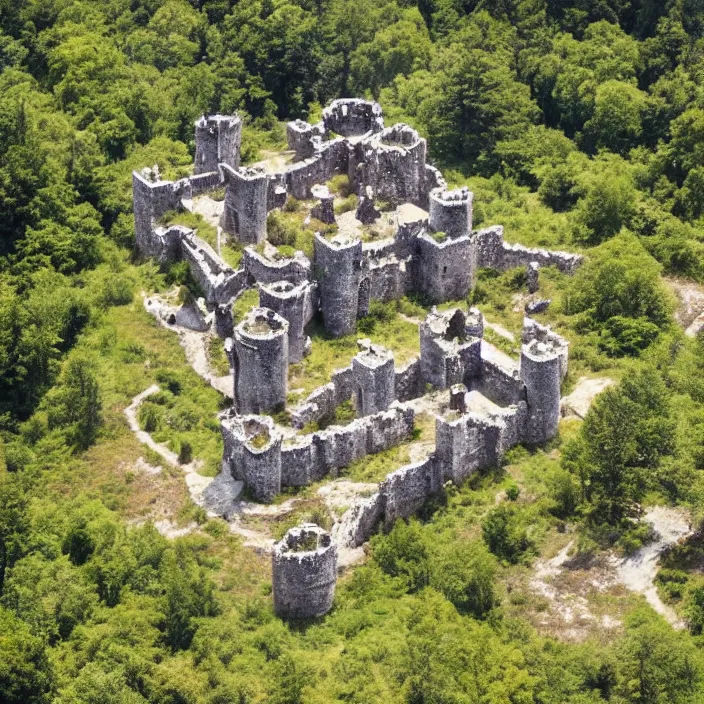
[467, 443]
[304, 573]
[328, 159]
[494, 253]
[152, 198]
[246, 203]
[218, 139]
[298, 467]
[308, 458]
[353, 117]
[407, 489]
[360, 521]
[409, 382]
[295, 303]
[499, 379]
[338, 267]
[219, 282]
[263, 270]
[261, 362]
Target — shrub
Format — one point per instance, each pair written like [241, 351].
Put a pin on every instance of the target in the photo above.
[185, 452]
[149, 417]
[346, 204]
[465, 573]
[403, 553]
[280, 230]
[505, 533]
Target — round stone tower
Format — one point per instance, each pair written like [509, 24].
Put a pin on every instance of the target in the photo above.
[540, 372]
[451, 211]
[304, 566]
[374, 378]
[218, 139]
[338, 265]
[261, 362]
[294, 303]
[353, 117]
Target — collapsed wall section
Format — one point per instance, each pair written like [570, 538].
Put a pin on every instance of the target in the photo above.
[494, 253]
[219, 282]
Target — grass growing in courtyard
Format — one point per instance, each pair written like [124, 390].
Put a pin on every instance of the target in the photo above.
[385, 327]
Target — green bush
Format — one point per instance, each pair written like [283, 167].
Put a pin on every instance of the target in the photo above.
[403, 554]
[506, 534]
[185, 452]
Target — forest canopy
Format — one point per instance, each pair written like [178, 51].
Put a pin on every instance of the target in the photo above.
[579, 125]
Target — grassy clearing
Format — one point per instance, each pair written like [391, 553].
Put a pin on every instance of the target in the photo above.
[328, 354]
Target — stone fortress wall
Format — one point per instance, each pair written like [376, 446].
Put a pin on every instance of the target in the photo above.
[494, 402]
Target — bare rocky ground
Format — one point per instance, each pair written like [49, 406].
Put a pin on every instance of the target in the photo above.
[690, 309]
[577, 403]
[210, 209]
[220, 496]
[579, 590]
[195, 344]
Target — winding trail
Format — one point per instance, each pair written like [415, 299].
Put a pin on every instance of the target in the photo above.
[637, 572]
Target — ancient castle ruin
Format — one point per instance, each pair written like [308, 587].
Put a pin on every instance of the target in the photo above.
[493, 402]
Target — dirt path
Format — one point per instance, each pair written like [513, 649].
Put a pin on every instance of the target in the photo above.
[637, 572]
[195, 345]
[690, 309]
[569, 583]
[577, 403]
[219, 496]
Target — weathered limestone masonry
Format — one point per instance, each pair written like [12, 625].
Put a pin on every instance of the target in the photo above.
[218, 139]
[373, 370]
[540, 372]
[152, 197]
[255, 454]
[295, 303]
[261, 362]
[304, 569]
[353, 117]
[220, 282]
[392, 164]
[299, 135]
[246, 203]
[252, 452]
[493, 401]
[449, 351]
[338, 267]
[451, 211]
[494, 253]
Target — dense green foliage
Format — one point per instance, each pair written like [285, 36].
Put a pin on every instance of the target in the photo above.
[577, 125]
